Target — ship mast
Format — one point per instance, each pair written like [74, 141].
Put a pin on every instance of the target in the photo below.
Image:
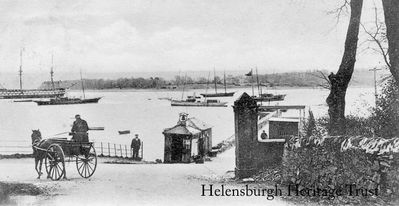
[207, 84]
[83, 88]
[224, 81]
[52, 71]
[252, 83]
[214, 79]
[20, 70]
[184, 85]
[257, 81]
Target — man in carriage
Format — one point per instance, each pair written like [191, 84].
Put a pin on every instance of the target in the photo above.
[79, 130]
[54, 150]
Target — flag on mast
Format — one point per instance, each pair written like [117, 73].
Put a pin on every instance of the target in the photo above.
[249, 73]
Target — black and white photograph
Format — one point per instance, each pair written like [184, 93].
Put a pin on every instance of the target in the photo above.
[199, 102]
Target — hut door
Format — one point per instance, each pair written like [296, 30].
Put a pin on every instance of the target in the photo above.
[186, 150]
[177, 149]
[194, 147]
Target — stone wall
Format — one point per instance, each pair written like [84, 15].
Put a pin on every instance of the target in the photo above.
[341, 161]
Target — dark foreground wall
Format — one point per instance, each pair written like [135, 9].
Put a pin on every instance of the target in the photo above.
[252, 155]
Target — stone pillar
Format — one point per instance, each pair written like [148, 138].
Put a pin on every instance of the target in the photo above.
[245, 120]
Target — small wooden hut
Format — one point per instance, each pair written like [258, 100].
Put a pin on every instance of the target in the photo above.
[273, 125]
[188, 140]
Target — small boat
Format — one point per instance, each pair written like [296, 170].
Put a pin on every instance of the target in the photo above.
[24, 100]
[207, 103]
[165, 98]
[124, 132]
[226, 94]
[216, 94]
[67, 100]
[268, 97]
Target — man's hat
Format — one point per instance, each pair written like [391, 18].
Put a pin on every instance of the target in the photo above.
[78, 115]
[136, 135]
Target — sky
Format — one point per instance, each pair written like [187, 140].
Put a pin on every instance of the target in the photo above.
[171, 35]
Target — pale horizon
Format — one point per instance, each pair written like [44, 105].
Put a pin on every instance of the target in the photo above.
[170, 35]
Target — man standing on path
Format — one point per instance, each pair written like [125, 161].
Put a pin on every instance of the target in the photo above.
[136, 143]
[79, 130]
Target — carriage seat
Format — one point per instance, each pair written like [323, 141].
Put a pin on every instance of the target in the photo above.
[80, 137]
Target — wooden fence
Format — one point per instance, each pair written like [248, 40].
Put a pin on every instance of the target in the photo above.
[108, 149]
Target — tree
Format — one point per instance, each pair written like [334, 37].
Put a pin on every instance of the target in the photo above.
[340, 81]
[217, 79]
[179, 80]
[202, 80]
[386, 113]
[391, 13]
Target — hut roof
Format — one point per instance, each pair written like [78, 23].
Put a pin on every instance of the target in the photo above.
[181, 129]
[198, 124]
[192, 126]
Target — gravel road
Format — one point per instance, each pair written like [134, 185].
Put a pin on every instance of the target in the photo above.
[132, 184]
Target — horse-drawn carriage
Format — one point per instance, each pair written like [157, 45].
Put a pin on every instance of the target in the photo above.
[57, 150]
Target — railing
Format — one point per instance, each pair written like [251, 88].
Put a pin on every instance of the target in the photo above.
[107, 149]
[103, 149]
[15, 146]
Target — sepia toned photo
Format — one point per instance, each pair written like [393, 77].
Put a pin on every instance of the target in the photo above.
[199, 102]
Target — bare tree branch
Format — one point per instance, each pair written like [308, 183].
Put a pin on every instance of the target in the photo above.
[327, 83]
[376, 37]
[342, 9]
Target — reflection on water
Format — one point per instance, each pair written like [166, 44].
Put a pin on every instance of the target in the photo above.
[142, 112]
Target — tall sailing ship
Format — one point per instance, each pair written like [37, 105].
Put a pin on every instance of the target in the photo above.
[69, 100]
[264, 97]
[31, 93]
[216, 94]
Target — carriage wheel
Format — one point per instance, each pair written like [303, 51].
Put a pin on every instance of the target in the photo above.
[86, 161]
[55, 162]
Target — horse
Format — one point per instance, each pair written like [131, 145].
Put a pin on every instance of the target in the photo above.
[39, 147]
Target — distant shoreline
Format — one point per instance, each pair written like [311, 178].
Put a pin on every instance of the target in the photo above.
[220, 90]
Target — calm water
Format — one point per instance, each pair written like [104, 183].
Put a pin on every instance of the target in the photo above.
[143, 113]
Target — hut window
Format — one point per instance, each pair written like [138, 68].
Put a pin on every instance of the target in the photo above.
[187, 144]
